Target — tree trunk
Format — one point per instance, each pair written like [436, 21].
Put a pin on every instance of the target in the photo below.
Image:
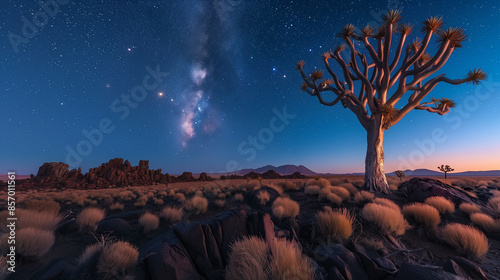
[445, 175]
[374, 164]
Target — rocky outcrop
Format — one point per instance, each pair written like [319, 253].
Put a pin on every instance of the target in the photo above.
[418, 189]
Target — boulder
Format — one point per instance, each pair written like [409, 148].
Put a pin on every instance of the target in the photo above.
[117, 227]
[339, 262]
[418, 189]
[452, 267]
[472, 269]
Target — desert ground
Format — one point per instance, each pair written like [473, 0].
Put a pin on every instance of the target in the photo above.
[313, 228]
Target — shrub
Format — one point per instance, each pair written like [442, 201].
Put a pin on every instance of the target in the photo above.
[318, 181]
[289, 186]
[469, 208]
[387, 219]
[221, 196]
[116, 206]
[485, 222]
[239, 197]
[116, 259]
[180, 197]
[334, 225]
[288, 262]
[149, 221]
[263, 197]
[312, 189]
[171, 214]
[90, 217]
[197, 204]
[494, 204]
[465, 239]
[363, 197]
[38, 205]
[248, 260]
[33, 242]
[342, 192]
[386, 202]
[290, 207]
[358, 183]
[424, 215]
[442, 204]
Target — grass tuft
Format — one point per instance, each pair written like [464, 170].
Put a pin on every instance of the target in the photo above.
[465, 239]
[387, 219]
[442, 204]
[423, 214]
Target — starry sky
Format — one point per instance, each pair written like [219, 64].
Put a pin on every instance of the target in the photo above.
[210, 85]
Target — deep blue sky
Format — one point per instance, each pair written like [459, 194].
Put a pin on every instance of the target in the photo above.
[229, 64]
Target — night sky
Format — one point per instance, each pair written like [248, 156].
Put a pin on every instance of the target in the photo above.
[184, 84]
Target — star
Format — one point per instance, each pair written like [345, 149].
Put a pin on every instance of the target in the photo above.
[160, 94]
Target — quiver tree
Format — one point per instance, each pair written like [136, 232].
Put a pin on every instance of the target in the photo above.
[400, 174]
[373, 81]
[445, 169]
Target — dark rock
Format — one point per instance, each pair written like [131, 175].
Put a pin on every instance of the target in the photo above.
[271, 174]
[414, 272]
[52, 271]
[170, 261]
[68, 227]
[337, 257]
[472, 269]
[118, 227]
[195, 239]
[452, 267]
[186, 177]
[418, 189]
[376, 266]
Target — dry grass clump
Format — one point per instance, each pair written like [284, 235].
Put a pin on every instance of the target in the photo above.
[284, 207]
[90, 217]
[288, 262]
[326, 193]
[312, 189]
[141, 201]
[318, 181]
[363, 197]
[149, 221]
[33, 243]
[239, 197]
[27, 218]
[126, 195]
[180, 197]
[465, 239]
[342, 192]
[220, 203]
[423, 214]
[38, 205]
[263, 197]
[116, 206]
[250, 260]
[387, 219]
[469, 208]
[158, 201]
[171, 214]
[442, 204]
[349, 187]
[116, 259]
[197, 204]
[465, 182]
[250, 185]
[485, 222]
[334, 226]
[289, 186]
[386, 202]
[494, 203]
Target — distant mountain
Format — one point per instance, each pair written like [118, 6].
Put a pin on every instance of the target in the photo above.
[428, 172]
[283, 170]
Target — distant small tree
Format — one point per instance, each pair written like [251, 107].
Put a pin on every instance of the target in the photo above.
[400, 174]
[445, 169]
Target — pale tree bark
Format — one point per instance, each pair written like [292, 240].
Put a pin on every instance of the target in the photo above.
[362, 86]
[375, 179]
